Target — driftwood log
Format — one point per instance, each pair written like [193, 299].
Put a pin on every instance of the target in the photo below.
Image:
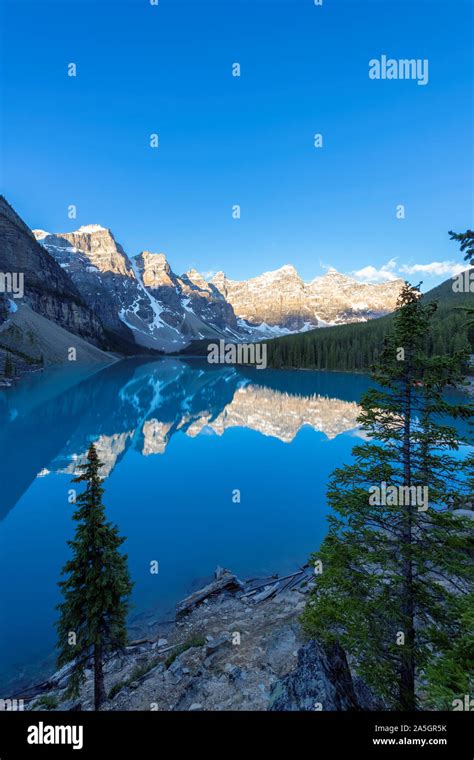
[225, 582]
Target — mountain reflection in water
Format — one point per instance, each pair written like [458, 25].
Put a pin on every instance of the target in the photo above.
[176, 438]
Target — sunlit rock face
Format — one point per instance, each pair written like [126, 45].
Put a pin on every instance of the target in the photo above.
[140, 300]
[281, 299]
[189, 303]
[207, 302]
[143, 301]
[155, 437]
[275, 298]
[337, 298]
[104, 276]
[97, 244]
[109, 449]
[281, 415]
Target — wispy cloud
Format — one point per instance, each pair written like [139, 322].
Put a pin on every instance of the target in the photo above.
[436, 268]
[391, 271]
[386, 273]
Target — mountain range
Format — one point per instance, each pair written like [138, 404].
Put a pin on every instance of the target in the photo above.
[83, 282]
[166, 311]
[357, 347]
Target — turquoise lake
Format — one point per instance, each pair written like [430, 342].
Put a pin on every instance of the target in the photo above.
[178, 440]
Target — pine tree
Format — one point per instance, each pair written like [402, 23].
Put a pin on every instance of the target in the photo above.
[392, 573]
[466, 240]
[97, 588]
[451, 675]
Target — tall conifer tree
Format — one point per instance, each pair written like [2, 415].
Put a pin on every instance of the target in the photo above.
[97, 587]
[394, 566]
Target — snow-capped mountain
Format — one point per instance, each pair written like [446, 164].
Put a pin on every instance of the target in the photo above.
[280, 301]
[143, 301]
[193, 306]
[140, 299]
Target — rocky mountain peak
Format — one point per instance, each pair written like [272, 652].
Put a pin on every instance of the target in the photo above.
[93, 228]
[280, 299]
[93, 241]
[195, 278]
[40, 234]
[333, 279]
[286, 269]
[286, 272]
[155, 270]
[219, 280]
[161, 308]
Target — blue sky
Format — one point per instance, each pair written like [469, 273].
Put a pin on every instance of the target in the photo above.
[223, 140]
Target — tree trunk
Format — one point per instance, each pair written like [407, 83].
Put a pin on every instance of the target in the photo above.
[407, 664]
[99, 687]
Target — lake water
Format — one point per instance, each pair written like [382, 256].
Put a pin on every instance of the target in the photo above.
[177, 439]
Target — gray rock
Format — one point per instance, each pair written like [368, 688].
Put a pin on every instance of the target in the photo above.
[60, 679]
[122, 693]
[176, 666]
[215, 644]
[464, 513]
[281, 650]
[233, 671]
[366, 697]
[321, 680]
[172, 677]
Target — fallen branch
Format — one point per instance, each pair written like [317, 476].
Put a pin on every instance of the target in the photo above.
[227, 582]
[272, 583]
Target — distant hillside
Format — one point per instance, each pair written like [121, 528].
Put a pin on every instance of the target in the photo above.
[356, 346]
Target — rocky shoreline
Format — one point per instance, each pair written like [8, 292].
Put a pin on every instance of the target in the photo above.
[234, 646]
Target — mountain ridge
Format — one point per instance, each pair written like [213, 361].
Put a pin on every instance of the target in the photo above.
[190, 307]
[356, 347]
[86, 282]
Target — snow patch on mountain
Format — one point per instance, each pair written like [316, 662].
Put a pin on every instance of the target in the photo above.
[88, 228]
[147, 303]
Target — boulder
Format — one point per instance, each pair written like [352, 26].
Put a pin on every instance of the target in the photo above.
[281, 646]
[321, 681]
[366, 697]
[214, 644]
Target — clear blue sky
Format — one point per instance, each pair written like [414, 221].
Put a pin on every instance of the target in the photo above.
[248, 140]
